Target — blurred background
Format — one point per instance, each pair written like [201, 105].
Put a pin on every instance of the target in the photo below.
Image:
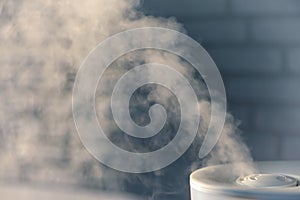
[256, 46]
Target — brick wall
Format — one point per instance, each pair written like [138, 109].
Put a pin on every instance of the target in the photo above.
[256, 45]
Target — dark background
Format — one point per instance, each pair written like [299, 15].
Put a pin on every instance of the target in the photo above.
[256, 45]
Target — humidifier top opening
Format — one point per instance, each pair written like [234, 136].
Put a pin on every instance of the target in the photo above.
[267, 181]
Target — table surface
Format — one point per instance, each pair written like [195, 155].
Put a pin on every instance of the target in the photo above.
[38, 192]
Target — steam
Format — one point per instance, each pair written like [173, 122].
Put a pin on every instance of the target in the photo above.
[42, 44]
[230, 148]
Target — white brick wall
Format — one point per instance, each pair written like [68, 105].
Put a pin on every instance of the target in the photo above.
[254, 60]
[184, 8]
[277, 30]
[263, 145]
[266, 7]
[265, 90]
[290, 148]
[282, 120]
[216, 31]
[256, 45]
[293, 60]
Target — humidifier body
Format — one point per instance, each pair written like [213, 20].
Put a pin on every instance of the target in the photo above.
[275, 181]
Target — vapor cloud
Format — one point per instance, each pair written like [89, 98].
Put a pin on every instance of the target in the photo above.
[42, 44]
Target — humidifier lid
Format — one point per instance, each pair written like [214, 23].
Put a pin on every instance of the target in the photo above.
[267, 181]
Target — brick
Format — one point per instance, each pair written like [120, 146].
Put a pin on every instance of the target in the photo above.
[293, 59]
[246, 60]
[266, 6]
[221, 30]
[281, 30]
[290, 148]
[263, 146]
[284, 121]
[183, 8]
[267, 90]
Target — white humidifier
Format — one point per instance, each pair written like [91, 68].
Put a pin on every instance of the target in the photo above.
[275, 181]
